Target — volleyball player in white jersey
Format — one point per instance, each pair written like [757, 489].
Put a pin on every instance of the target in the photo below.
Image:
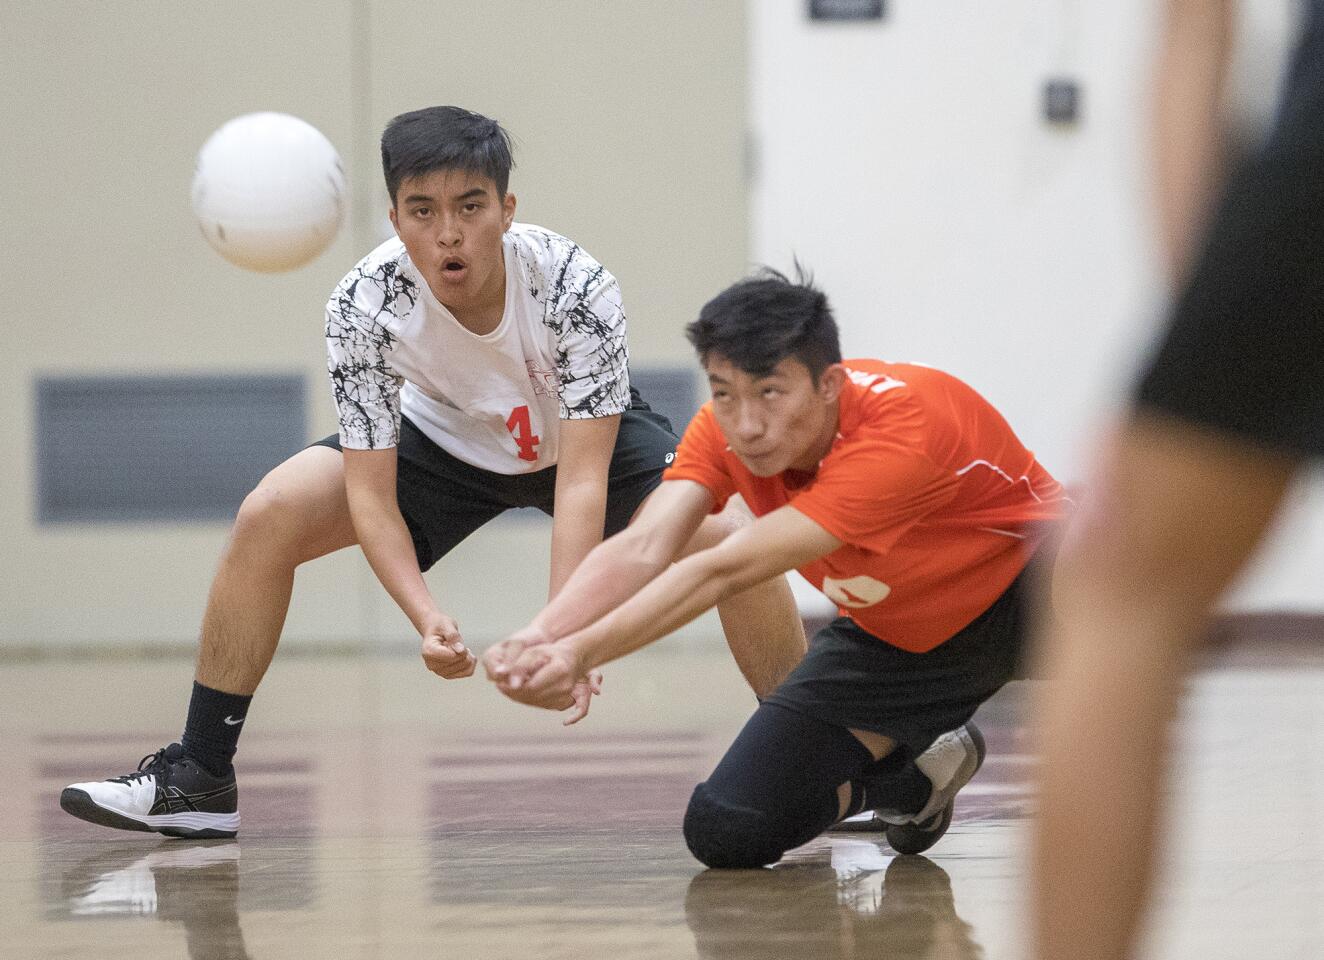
[478, 365]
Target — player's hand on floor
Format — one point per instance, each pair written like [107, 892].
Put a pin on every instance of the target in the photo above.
[444, 652]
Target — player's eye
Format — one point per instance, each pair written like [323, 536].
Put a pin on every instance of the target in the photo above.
[771, 393]
[472, 207]
[422, 212]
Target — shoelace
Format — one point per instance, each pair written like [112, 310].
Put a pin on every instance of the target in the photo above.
[146, 767]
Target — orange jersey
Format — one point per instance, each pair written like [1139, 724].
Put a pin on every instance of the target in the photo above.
[934, 499]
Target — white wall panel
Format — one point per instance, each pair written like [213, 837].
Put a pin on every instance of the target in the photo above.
[628, 119]
[906, 163]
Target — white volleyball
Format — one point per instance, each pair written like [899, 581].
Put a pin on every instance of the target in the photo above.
[269, 191]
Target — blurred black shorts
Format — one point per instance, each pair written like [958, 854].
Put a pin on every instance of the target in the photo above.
[1245, 351]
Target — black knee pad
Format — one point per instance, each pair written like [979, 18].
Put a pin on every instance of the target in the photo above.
[728, 836]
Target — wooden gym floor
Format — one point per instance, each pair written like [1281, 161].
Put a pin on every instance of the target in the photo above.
[387, 814]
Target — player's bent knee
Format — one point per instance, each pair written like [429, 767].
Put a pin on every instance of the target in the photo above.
[261, 510]
[733, 518]
[727, 836]
[272, 520]
[718, 527]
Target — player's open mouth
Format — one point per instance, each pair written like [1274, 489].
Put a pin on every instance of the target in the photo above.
[454, 269]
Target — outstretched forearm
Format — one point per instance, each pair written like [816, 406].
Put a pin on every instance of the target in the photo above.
[370, 482]
[619, 566]
[688, 589]
[576, 529]
[541, 674]
[385, 540]
[611, 574]
[782, 540]
[580, 506]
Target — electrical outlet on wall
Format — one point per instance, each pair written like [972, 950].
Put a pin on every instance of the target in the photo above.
[846, 9]
[1061, 100]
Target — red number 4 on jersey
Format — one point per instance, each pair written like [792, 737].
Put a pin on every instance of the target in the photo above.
[522, 430]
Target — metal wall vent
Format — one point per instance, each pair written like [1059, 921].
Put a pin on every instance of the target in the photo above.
[160, 449]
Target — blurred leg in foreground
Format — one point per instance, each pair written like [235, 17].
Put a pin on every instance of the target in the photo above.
[1227, 412]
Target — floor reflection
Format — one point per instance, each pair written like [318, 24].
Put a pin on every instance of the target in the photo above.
[847, 899]
[202, 886]
[194, 884]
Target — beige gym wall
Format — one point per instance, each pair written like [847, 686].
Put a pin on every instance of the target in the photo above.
[629, 120]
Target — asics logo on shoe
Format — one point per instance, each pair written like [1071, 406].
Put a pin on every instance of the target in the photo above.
[231, 722]
[171, 799]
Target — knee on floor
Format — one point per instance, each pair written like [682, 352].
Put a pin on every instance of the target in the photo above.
[727, 836]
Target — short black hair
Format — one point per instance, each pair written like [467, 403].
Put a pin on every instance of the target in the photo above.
[445, 138]
[760, 321]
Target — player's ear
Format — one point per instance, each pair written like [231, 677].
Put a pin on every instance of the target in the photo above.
[507, 210]
[395, 219]
[831, 381]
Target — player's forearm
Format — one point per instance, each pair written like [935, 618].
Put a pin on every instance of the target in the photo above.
[389, 549]
[686, 590]
[612, 572]
[1188, 121]
[581, 511]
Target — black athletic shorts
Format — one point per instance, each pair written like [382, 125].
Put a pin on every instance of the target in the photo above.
[444, 499]
[1245, 350]
[850, 678]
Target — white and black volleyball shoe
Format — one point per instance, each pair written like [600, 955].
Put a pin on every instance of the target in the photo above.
[169, 793]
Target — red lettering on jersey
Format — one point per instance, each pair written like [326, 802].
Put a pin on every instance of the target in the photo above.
[521, 429]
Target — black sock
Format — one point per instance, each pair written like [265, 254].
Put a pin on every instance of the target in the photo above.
[211, 734]
[894, 783]
[857, 800]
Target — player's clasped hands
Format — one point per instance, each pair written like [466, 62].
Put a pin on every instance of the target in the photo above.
[444, 652]
[543, 673]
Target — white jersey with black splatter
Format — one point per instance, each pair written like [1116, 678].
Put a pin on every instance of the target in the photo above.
[494, 401]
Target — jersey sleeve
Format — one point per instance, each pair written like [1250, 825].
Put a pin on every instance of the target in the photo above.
[701, 457]
[591, 356]
[870, 493]
[366, 389]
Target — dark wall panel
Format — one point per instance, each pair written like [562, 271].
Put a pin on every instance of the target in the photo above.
[144, 449]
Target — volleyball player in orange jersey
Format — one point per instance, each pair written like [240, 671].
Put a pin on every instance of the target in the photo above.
[898, 491]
